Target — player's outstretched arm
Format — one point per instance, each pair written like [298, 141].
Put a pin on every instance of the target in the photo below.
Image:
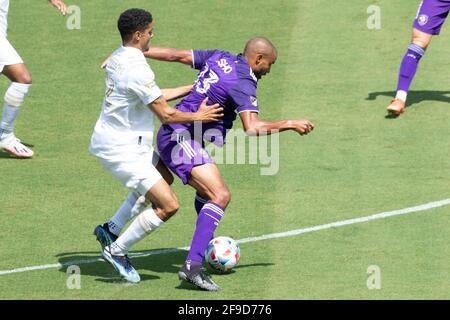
[164, 54]
[59, 5]
[170, 54]
[167, 114]
[176, 93]
[253, 126]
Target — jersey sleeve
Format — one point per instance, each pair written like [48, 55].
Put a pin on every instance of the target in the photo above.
[244, 96]
[142, 83]
[199, 57]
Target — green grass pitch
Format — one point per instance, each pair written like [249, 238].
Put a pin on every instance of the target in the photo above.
[331, 69]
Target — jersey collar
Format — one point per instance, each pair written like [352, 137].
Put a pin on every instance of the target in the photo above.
[132, 49]
[241, 57]
[253, 75]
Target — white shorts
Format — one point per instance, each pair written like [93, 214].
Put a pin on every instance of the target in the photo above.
[139, 174]
[8, 55]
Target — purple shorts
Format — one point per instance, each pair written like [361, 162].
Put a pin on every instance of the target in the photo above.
[431, 16]
[180, 151]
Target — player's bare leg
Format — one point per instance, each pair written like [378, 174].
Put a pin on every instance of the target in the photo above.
[14, 98]
[421, 39]
[419, 43]
[208, 182]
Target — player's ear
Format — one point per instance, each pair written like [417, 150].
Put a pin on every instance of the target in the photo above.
[258, 59]
[137, 35]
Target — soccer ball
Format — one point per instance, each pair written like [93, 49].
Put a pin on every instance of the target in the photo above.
[222, 254]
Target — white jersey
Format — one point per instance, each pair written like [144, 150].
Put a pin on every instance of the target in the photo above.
[126, 124]
[4, 7]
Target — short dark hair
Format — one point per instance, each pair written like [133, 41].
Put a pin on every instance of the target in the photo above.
[133, 20]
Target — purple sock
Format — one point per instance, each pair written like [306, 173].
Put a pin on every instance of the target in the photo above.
[408, 67]
[207, 222]
[199, 202]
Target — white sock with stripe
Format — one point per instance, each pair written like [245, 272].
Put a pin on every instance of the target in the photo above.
[14, 98]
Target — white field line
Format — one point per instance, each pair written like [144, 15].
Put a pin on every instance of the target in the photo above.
[337, 224]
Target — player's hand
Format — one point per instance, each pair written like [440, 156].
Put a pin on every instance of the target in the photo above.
[105, 63]
[303, 127]
[59, 5]
[210, 113]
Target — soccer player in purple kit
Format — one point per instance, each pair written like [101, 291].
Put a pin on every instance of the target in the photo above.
[231, 81]
[428, 22]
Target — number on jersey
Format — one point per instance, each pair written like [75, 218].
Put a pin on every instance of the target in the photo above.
[205, 79]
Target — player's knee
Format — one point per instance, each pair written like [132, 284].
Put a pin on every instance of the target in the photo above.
[171, 207]
[23, 77]
[421, 41]
[222, 198]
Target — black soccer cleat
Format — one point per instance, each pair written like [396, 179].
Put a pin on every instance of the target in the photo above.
[197, 277]
[104, 236]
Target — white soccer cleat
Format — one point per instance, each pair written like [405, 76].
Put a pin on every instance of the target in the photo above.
[13, 146]
[122, 264]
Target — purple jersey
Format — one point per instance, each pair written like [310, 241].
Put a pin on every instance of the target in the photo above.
[225, 79]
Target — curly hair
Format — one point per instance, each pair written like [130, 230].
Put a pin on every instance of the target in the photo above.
[133, 20]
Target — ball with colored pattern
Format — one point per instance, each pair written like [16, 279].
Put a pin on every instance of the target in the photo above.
[222, 254]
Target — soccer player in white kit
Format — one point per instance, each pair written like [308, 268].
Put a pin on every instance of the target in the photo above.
[12, 66]
[123, 136]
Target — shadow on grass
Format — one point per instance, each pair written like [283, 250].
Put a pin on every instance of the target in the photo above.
[92, 264]
[164, 260]
[414, 97]
[6, 155]
[188, 286]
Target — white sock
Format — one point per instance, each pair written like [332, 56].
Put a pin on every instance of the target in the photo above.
[122, 216]
[401, 95]
[14, 97]
[144, 224]
[139, 206]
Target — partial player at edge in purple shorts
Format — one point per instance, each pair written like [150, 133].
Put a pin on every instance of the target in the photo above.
[431, 16]
[428, 23]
